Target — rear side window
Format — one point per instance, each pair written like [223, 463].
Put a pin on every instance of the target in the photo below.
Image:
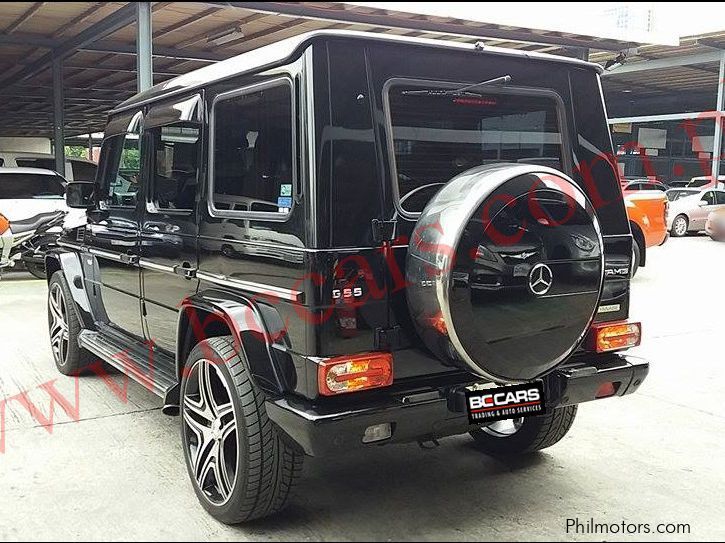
[30, 185]
[437, 134]
[253, 162]
[83, 171]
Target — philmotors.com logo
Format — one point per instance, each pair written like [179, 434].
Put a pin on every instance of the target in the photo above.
[489, 405]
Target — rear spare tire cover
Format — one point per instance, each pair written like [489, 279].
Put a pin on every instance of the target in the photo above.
[505, 271]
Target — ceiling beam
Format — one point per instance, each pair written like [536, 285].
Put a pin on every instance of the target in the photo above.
[342, 15]
[158, 51]
[33, 40]
[32, 10]
[117, 20]
[62, 29]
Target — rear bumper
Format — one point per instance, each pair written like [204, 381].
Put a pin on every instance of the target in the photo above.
[422, 414]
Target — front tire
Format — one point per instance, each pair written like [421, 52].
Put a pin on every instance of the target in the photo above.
[522, 436]
[680, 226]
[64, 327]
[239, 464]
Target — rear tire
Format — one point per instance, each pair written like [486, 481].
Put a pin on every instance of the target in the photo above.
[238, 474]
[533, 434]
[680, 226]
[64, 327]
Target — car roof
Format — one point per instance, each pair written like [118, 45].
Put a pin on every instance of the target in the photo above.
[36, 171]
[284, 50]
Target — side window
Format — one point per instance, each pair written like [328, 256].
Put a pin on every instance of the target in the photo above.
[83, 171]
[720, 198]
[121, 157]
[175, 166]
[709, 197]
[253, 161]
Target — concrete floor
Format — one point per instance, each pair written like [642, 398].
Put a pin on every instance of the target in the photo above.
[656, 456]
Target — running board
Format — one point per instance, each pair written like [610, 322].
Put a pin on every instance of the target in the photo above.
[153, 370]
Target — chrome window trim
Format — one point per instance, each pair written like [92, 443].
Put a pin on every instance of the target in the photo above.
[255, 215]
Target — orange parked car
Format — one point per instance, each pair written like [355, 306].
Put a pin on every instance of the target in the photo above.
[647, 211]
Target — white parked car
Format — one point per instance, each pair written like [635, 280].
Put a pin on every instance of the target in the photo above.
[76, 169]
[27, 192]
[690, 213]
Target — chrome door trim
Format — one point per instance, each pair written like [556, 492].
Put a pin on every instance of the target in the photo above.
[250, 286]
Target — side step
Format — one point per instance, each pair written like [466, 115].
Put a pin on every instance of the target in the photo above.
[148, 367]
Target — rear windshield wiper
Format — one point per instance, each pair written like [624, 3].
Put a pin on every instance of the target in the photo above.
[465, 90]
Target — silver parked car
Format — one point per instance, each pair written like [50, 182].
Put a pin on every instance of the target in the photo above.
[689, 214]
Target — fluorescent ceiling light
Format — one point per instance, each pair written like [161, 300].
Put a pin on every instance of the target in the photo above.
[220, 38]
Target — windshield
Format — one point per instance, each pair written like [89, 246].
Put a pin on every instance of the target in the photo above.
[437, 136]
[30, 185]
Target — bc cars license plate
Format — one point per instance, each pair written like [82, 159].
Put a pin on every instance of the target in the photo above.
[505, 402]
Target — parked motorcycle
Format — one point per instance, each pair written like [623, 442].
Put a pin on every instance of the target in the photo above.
[28, 240]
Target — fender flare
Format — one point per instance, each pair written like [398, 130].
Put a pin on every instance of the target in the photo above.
[638, 238]
[70, 264]
[248, 325]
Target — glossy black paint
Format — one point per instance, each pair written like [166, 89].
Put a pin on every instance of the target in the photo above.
[318, 283]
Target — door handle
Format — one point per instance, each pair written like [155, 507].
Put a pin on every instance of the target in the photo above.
[185, 270]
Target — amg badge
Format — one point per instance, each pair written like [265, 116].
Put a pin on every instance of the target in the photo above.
[507, 402]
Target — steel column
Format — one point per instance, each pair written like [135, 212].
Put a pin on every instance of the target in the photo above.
[719, 120]
[58, 121]
[144, 56]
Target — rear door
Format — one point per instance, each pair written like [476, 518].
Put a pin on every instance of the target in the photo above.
[700, 213]
[112, 231]
[173, 137]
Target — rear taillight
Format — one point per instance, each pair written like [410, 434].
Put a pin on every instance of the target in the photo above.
[615, 336]
[344, 374]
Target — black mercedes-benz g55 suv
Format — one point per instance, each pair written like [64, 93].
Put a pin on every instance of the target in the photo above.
[344, 240]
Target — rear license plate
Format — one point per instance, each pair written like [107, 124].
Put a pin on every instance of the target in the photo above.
[505, 402]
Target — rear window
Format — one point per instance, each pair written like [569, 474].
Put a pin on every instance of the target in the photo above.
[30, 185]
[438, 133]
[43, 163]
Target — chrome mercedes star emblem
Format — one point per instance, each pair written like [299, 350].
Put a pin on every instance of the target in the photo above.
[540, 279]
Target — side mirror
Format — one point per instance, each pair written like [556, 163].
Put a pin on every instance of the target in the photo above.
[702, 203]
[80, 195]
